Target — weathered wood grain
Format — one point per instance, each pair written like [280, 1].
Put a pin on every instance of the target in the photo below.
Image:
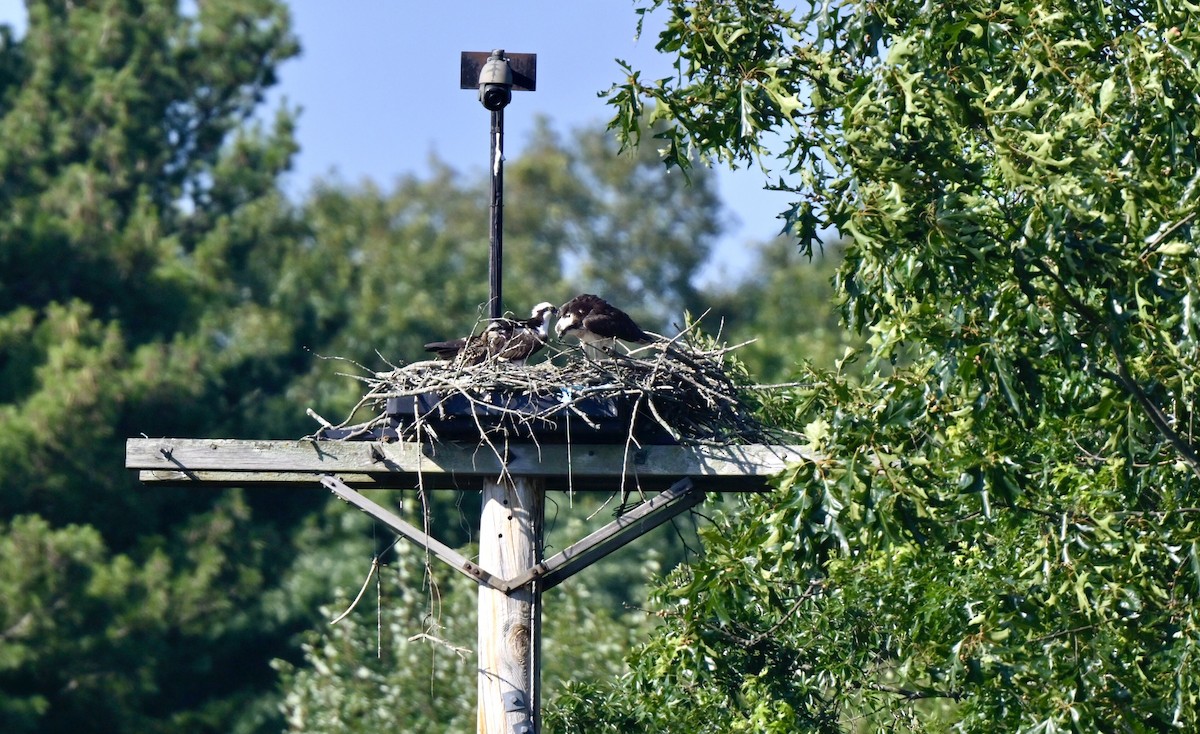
[510, 543]
[227, 462]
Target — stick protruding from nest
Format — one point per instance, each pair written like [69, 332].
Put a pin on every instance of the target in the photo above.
[673, 389]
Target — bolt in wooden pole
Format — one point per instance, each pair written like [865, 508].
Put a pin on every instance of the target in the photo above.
[510, 543]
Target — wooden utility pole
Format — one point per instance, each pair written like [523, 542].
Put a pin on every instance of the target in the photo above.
[510, 531]
[510, 545]
[510, 570]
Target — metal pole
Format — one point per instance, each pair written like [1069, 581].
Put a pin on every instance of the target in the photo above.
[496, 229]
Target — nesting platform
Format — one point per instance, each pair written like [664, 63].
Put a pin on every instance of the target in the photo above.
[641, 421]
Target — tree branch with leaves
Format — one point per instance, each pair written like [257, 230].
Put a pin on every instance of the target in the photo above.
[1016, 187]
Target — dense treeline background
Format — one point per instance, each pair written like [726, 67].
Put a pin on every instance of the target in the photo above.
[1002, 535]
[154, 280]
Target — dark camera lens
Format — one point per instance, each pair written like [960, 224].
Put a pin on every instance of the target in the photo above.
[495, 96]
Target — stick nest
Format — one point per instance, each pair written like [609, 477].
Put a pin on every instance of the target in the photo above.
[673, 391]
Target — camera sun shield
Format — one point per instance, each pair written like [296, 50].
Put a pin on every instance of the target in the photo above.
[497, 74]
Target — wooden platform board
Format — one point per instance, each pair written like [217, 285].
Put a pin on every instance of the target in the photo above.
[363, 464]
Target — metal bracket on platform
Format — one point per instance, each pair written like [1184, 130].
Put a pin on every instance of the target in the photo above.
[433, 545]
[681, 496]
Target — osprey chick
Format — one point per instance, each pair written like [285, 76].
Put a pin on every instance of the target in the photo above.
[508, 340]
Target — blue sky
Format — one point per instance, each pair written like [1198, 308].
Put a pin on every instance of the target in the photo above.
[378, 88]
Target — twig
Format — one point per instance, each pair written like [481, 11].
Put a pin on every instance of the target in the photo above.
[462, 652]
[363, 590]
[315, 416]
[680, 387]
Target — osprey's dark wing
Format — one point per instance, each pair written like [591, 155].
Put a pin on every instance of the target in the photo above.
[613, 323]
[596, 319]
[448, 349]
[465, 350]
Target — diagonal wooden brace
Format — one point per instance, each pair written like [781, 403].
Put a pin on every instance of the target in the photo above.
[455, 559]
[682, 496]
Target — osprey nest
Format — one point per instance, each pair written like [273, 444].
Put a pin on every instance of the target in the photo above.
[665, 392]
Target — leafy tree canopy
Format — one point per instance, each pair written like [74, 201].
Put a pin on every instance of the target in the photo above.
[135, 198]
[1003, 533]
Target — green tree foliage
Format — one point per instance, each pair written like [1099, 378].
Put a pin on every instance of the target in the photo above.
[136, 201]
[156, 282]
[785, 303]
[1002, 535]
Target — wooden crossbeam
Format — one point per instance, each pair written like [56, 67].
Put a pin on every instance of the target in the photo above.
[226, 462]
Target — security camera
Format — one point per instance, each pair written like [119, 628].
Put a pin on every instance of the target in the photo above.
[495, 82]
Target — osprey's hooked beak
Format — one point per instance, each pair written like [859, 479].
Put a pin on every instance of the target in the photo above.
[565, 324]
[545, 329]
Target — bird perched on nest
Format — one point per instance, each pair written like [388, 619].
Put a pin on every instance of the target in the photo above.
[598, 325]
[506, 340]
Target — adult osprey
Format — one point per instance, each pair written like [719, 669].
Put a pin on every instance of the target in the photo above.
[507, 340]
[598, 324]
